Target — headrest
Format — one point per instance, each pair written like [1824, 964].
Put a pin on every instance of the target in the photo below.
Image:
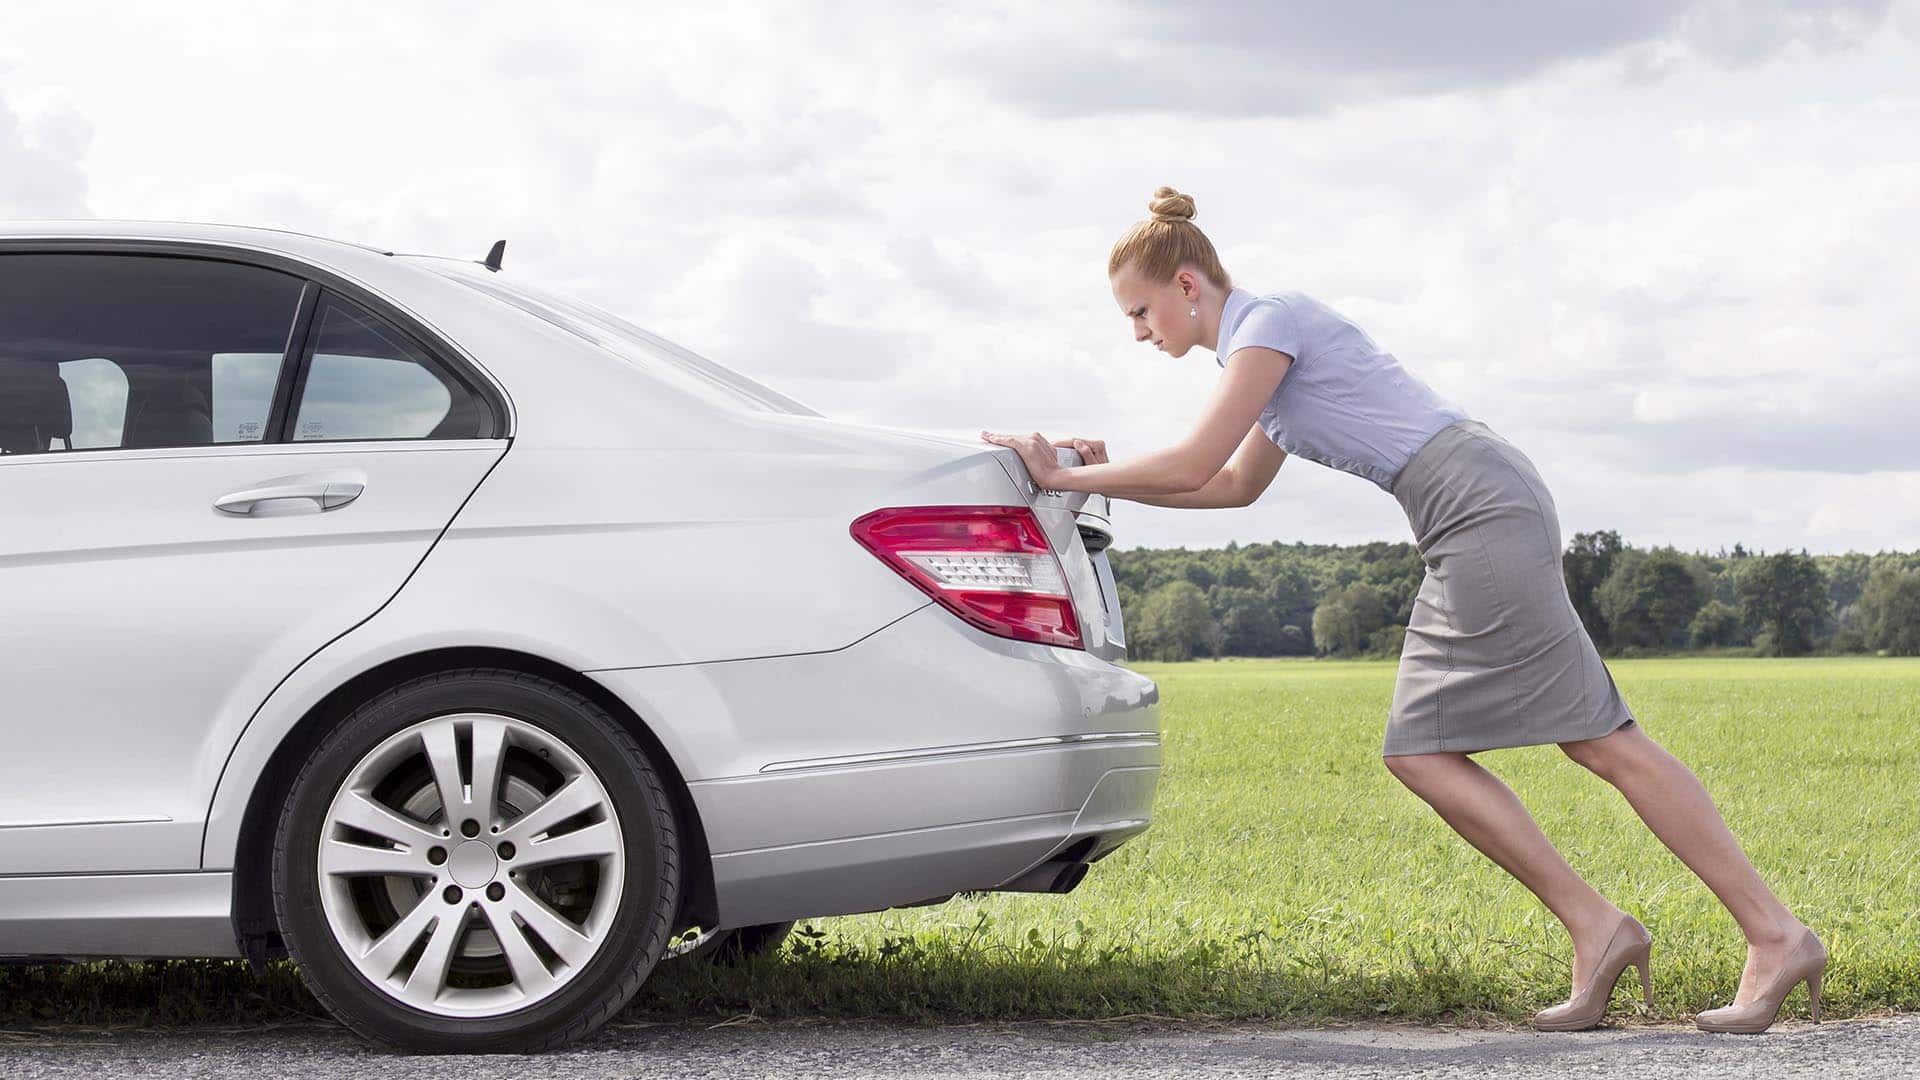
[34, 406]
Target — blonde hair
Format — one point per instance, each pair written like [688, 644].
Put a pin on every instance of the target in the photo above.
[1162, 244]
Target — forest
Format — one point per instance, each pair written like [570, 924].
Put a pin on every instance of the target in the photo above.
[1300, 599]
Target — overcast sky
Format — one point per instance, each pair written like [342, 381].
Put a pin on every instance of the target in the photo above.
[1665, 247]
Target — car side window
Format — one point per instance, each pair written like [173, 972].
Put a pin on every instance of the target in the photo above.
[367, 380]
[102, 351]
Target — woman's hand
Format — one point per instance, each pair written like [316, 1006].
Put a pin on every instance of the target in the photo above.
[1043, 465]
[1091, 451]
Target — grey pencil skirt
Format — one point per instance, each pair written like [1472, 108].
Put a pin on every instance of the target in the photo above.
[1495, 654]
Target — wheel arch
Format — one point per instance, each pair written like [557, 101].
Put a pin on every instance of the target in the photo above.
[255, 928]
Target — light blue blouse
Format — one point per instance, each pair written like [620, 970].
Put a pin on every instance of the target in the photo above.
[1343, 402]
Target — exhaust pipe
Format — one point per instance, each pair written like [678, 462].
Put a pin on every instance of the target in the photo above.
[1053, 876]
[1060, 874]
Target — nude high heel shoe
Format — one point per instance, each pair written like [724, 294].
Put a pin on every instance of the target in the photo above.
[1630, 944]
[1807, 961]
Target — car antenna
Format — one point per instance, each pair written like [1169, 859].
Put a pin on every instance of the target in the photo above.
[493, 256]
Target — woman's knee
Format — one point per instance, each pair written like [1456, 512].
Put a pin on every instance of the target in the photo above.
[1607, 755]
[1415, 770]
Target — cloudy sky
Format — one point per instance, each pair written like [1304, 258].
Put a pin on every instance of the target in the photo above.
[1665, 247]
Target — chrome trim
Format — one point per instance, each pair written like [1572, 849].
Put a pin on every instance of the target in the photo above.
[82, 821]
[256, 449]
[962, 748]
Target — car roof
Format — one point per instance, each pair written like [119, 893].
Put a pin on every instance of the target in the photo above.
[428, 289]
[313, 249]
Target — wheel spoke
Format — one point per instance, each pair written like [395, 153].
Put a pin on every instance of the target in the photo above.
[594, 841]
[489, 746]
[429, 975]
[574, 796]
[530, 973]
[565, 939]
[384, 955]
[342, 859]
[443, 756]
[355, 809]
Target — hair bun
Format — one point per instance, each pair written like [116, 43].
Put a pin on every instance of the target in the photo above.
[1169, 205]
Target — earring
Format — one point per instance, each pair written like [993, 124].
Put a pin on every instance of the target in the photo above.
[1193, 313]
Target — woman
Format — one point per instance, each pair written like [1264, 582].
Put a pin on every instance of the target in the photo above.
[1495, 655]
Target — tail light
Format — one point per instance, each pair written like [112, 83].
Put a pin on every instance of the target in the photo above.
[990, 565]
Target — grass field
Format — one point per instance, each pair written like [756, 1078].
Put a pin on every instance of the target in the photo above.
[1287, 875]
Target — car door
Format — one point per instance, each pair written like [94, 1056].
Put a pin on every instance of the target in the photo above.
[208, 470]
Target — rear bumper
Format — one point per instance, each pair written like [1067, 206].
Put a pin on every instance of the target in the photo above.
[926, 759]
[969, 820]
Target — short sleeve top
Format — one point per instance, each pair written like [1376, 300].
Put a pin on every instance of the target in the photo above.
[1343, 402]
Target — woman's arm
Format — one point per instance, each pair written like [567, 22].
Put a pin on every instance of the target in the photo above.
[1237, 483]
[1243, 390]
[1221, 491]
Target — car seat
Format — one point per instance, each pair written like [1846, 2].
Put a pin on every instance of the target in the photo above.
[35, 408]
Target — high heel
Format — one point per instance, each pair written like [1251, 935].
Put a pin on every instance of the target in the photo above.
[1807, 962]
[1630, 944]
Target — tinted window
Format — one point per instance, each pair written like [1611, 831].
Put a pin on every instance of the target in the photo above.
[367, 380]
[104, 351]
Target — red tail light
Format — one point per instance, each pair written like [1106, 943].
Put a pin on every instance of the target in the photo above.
[990, 565]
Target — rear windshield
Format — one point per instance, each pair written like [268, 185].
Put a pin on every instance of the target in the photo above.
[629, 342]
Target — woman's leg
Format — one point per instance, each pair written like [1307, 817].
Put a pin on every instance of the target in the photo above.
[1671, 800]
[1490, 816]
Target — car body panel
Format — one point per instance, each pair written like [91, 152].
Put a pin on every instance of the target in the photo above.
[131, 915]
[951, 712]
[189, 615]
[928, 680]
[816, 851]
[608, 585]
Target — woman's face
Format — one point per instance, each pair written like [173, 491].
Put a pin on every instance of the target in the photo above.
[1158, 310]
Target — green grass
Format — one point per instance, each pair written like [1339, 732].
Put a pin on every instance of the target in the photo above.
[1287, 875]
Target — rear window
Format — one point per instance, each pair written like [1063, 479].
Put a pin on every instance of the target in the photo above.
[633, 344]
[367, 380]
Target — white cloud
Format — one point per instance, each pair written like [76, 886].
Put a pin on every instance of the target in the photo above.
[1264, 59]
[40, 174]
[784, 318]
[1861, 512]
[1656, 244]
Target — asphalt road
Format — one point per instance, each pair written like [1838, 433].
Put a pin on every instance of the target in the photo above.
[1836, 1049]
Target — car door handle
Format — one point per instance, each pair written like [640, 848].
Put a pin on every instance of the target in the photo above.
[318, 494]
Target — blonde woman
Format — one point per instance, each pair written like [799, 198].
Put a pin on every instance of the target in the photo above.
[1495, 655]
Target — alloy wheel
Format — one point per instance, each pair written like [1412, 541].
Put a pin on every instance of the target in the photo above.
[470, 865]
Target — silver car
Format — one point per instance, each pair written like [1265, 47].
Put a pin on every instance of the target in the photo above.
[480, 650]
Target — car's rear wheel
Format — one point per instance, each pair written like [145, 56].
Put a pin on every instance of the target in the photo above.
[477, 861]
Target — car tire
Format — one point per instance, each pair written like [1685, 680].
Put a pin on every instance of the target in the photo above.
[521, 926]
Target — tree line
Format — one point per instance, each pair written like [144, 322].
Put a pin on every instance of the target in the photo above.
[1354, 600]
